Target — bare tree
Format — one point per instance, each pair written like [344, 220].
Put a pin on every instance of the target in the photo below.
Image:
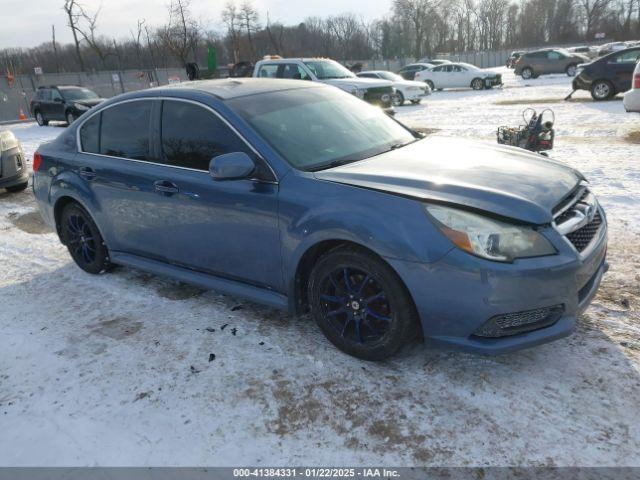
[593, 11]
[249, 18]
[72, 9]
[416, 13]
[181, 32]
[231, 19]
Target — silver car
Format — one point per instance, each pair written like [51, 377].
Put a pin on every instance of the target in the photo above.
[14, 175]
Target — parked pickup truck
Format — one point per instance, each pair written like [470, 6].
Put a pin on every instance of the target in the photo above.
[375, 91]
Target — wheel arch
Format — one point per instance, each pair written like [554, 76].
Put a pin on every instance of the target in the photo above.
[61, 203]
[298, 301]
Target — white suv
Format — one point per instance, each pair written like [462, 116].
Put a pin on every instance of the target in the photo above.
[375, 91]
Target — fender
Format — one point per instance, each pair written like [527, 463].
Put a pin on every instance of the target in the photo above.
[305, 222]
[69, 184]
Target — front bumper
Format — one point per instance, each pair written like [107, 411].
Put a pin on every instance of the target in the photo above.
[458, 294]
[581, 82]
[13, 168]
[493, 81]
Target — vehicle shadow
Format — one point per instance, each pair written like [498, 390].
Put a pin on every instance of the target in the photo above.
[102, 346]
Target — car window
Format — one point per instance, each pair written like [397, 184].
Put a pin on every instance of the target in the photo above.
[55, 94]
[292, 71]
[438, 69]
[124, 130]
[192, 136]
[626, 57]
[44, 94]
[457, 68]
[554, 55]
[367, 75]
[90, 135]
[268, 71]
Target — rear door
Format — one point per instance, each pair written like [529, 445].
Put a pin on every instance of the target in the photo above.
[120, 167]
[620, 68]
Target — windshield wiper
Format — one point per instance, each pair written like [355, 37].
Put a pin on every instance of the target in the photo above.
[396, 146]
[332, 164]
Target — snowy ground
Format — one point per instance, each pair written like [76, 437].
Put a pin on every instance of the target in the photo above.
[114, 370]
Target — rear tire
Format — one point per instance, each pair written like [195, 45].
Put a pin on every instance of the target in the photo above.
[360, 304]
[430, 84]
[18, 188]
[83, 240]
[602, 90]
[527, 73]
[571, 70]
[43, 122]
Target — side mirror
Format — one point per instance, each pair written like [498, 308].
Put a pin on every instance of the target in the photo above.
[231, 166]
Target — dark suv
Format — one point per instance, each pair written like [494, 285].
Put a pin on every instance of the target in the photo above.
[65, 103]
[609, 75]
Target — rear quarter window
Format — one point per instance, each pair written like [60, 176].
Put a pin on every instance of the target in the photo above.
[90, 135]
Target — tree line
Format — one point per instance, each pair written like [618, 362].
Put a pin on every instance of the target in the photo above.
[413, 29]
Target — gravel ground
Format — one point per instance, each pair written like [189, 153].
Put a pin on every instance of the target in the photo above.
[117, 369]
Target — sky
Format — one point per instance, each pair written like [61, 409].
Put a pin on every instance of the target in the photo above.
[27, 23]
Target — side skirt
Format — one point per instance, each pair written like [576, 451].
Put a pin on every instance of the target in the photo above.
[209, 282]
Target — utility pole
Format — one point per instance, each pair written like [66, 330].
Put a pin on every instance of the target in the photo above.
[55, 47]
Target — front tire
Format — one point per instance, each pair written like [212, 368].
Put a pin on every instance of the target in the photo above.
[70, 118]
[430, 84]
[18, 188]
[83, 240]
[398, 99]
[602, 90]
[43, 122]
[477, 84]
[360, 304]
[527, 73]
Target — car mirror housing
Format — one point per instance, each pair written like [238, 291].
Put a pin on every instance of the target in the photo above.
[231, 166]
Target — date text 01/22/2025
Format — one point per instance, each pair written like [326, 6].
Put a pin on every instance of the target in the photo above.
[316, 472]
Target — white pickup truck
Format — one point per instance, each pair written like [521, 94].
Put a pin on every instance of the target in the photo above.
[374, 91]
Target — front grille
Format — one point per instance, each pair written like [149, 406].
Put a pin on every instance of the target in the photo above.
[582, 237]
[520, 322]
[381, 96]
[379, 91]
[567, 214]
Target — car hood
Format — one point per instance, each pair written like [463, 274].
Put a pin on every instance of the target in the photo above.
[505, 181]
[90, 102]
[358, 82]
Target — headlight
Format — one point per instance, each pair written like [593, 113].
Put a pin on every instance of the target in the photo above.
[415, 89]
[80, 106]
[489, 238]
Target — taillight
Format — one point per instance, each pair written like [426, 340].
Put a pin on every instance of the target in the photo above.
[37, 160]
[636, 81]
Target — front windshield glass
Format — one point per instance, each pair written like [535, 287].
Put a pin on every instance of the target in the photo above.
[78, 94]
[328, 69]
[391, 76]
[317, 128]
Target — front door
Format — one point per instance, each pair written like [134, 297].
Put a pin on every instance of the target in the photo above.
[56, 109]
[227, 228]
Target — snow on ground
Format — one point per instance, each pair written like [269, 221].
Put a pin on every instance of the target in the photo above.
[115, 370]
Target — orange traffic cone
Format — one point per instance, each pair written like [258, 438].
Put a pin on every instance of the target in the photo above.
[22, 116]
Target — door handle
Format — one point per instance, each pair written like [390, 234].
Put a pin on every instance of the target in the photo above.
[87, 173]
[164, 186]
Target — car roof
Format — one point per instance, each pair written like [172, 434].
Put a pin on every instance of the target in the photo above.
[238, 87]
[295, 59]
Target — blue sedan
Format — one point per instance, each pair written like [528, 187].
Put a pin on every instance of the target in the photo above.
[303, 197]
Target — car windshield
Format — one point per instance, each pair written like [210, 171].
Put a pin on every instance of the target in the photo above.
[391, 76]
[328, 69]
[318, 128]
[78, 94]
